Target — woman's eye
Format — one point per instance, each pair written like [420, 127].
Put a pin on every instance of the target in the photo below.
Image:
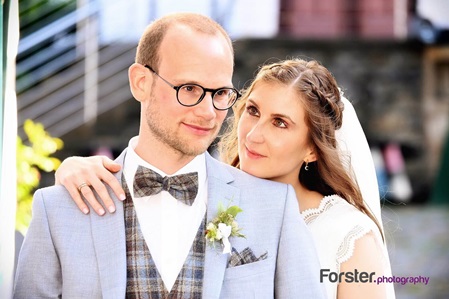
[278, 122]
[252, 110]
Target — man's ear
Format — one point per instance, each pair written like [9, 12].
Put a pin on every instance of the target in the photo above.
[138, 81]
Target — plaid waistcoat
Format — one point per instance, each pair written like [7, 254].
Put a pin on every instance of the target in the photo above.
[143, 278]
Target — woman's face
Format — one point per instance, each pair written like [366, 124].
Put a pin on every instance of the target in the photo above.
[272, 134]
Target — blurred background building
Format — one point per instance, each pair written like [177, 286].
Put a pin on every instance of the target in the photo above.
[390, 57]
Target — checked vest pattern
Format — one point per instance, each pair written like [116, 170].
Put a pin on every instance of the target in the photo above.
[143, 278]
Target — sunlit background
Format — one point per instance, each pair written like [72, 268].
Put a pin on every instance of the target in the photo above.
[390, 57]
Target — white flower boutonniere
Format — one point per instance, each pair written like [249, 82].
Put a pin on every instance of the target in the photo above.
[224, 226]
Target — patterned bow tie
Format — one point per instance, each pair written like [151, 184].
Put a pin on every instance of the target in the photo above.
[183, 187]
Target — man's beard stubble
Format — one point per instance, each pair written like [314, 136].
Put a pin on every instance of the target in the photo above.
[172, 139]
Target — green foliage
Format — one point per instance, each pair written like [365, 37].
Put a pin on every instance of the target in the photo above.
[30, 159]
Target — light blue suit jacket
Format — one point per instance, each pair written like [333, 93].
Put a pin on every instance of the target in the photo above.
[69, 254]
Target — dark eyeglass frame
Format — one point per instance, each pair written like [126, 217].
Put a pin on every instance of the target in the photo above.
[205, 90]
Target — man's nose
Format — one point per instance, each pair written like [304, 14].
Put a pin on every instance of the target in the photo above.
[206, 108]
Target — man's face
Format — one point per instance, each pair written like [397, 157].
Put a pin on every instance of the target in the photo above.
[188, 57]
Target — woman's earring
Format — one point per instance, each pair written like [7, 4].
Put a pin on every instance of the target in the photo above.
[307, 166]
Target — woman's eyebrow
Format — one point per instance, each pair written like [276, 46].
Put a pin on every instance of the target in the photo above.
[280, 115]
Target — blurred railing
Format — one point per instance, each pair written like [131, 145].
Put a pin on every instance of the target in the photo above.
[65, 77]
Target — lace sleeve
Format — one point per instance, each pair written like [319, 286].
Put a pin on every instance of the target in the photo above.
[346, 248]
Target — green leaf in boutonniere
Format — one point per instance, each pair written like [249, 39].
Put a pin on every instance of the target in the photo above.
[224, 226]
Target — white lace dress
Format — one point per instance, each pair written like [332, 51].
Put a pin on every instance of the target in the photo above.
[335, 226]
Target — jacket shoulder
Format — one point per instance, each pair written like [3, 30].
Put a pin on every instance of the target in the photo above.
[54, 197]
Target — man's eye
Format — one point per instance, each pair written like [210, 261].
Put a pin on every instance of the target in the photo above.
[189, 88]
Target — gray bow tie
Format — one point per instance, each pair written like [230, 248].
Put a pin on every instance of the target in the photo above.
[183, 187]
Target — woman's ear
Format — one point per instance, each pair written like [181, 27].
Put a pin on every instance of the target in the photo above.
[138, 81]
[311, 156]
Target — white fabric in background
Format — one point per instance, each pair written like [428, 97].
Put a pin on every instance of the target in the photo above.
[8, 185]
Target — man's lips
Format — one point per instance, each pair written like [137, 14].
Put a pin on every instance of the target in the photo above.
[199, 129]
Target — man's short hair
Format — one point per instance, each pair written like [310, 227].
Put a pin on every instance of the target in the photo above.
[149, 44]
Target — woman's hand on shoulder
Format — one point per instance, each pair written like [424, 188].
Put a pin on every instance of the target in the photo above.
[81, 175]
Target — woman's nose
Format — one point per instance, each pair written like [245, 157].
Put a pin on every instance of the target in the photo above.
[256, 133]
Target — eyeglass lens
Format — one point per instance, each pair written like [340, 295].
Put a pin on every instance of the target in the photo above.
[190, 95]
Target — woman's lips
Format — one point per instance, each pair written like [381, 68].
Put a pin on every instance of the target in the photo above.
[253, 154]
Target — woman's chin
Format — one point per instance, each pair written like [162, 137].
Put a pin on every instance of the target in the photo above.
[254, 171]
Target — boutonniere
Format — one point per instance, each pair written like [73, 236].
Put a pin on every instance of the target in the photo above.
[224, 226]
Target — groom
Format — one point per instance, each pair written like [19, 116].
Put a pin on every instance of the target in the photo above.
[154, 245]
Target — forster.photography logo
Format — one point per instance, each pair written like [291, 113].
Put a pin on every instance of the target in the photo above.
[369, 277]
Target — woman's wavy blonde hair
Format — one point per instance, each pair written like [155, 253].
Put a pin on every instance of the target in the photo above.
[319, 94]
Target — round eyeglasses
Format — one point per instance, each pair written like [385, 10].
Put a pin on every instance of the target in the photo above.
[191, 94]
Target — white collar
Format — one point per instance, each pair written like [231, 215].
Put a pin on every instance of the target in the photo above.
[133, 160]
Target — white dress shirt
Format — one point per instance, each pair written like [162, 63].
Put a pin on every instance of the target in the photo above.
[168, 225]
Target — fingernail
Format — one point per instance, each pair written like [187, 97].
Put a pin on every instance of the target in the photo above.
[111, 209]
[86, 211]
[122, 197]
[101, 211]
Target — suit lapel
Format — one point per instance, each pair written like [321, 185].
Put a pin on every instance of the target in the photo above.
[108, 233]
[219, 190]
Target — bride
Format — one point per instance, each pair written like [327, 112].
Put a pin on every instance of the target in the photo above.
[290, 127]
